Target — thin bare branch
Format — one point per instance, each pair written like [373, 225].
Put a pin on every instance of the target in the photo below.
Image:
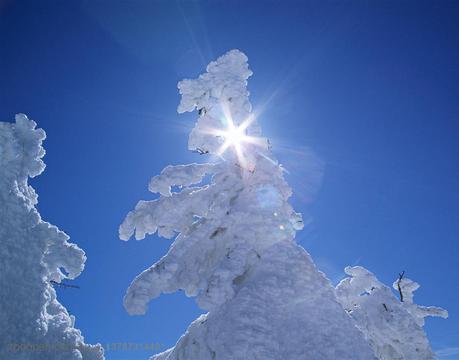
[63, 285]
[400, 277]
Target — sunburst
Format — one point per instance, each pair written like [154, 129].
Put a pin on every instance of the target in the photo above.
[235, 136]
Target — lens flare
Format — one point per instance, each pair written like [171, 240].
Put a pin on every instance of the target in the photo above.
[235, 136]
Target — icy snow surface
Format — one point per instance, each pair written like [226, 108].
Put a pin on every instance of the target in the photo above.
[33, 324]
[234, 247]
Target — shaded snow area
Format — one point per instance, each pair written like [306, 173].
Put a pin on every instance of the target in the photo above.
[392, 327]
[234, 247]
[33, 324]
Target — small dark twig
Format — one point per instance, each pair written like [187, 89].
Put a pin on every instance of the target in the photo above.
[201, 151]
[400, 277]
[55, 283]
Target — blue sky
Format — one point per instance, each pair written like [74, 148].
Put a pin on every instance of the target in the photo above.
[370, 87]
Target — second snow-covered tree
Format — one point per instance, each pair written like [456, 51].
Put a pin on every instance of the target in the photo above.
[392, 326]
[34, 256]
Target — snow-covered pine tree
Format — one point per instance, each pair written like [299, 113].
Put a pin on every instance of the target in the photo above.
[33, 324]
[392, 326]
[235, 249]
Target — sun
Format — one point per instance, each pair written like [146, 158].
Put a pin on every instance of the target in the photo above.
[235, 136]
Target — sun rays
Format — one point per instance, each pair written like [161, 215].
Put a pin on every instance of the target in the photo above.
[235, 136]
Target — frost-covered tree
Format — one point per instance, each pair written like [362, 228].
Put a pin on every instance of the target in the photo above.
[234, 247]
[392, 327]
[33, 253]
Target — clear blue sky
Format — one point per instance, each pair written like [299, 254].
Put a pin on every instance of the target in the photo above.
[372, 87]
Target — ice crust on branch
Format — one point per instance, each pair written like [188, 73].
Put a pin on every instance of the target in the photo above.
[392, 328]
[234, 248]
[34, 325]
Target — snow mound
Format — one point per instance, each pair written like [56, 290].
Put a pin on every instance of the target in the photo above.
[285, 310]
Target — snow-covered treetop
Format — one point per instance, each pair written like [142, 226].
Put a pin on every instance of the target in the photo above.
[226, 78]
[224, 226]
[21, 151]
[221, 98]
[419, 313]
[392, 327]
[352, 291]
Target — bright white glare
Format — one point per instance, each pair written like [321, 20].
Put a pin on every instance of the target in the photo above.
[235, 136]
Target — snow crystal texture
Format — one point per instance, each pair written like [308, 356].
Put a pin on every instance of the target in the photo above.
[33, 324]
